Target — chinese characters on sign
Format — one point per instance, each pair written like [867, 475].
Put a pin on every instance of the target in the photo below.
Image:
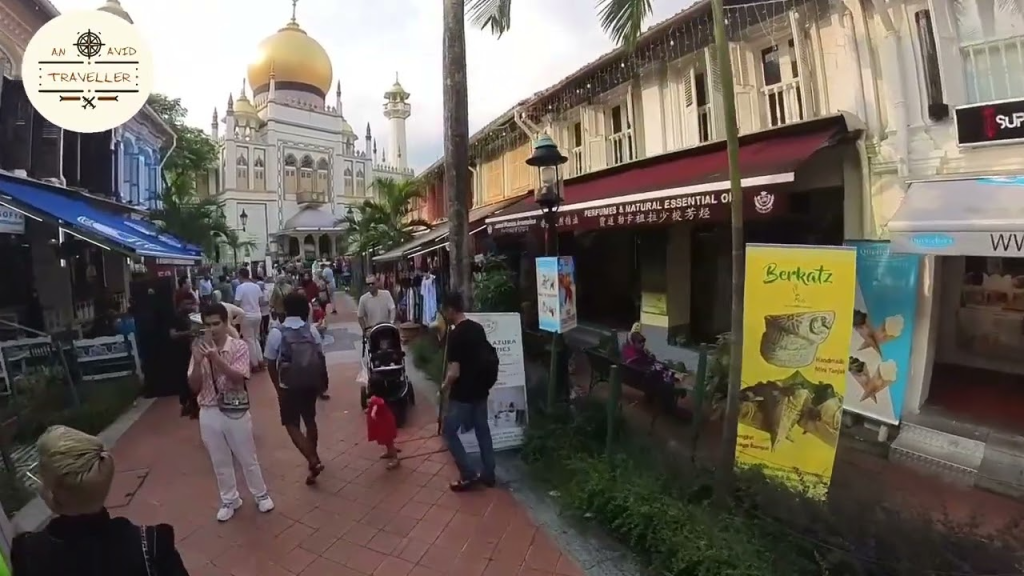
[706, 207]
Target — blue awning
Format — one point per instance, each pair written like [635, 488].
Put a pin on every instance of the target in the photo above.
[47, 202]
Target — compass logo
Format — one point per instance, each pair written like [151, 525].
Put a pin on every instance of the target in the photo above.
[88, 71]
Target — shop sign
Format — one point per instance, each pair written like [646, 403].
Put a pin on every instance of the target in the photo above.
[885, 306]
[507, 402]
[711, 206]
[11, 221]
[556, 293]
[991, 123]
[798, 307]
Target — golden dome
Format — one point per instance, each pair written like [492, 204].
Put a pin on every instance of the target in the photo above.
[293, 57]
[114, 7]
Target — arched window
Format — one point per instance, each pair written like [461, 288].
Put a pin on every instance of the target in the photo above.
[349, 188]
[360, 181]
[291, 183]
[321, 175]
[242, 168]
[306, 174]
[258, 172]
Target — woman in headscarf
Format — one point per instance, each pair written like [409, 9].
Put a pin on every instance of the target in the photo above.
[282, 287]
[636, 354]
[83, 539]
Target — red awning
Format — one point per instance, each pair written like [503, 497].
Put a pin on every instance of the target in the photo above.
[765, 163]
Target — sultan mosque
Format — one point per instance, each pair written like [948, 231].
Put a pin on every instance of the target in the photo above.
[291, 163]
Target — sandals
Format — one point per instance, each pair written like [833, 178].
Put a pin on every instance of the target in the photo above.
[391, 465]
[314, 471]
[463, 485]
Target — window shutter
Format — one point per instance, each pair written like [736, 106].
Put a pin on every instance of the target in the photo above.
[715, 89]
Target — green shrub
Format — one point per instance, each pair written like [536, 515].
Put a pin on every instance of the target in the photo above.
[43, 399]
[428, 356]
[494, 287]
[659, 507]
[13, 495]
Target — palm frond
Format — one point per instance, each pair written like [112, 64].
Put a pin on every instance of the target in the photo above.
[493, 14]
[623, 20]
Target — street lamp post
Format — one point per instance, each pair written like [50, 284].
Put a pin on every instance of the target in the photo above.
[548, 161]
[243, 218]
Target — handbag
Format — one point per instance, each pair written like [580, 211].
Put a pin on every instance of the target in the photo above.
[147, 554]
[232, 403]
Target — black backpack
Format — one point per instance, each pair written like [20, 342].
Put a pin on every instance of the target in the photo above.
[489, 364]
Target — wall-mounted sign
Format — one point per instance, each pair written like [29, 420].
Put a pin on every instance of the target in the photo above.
[11, 221]
[993, 123]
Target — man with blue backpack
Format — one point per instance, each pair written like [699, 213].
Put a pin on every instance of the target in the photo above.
[298, 369]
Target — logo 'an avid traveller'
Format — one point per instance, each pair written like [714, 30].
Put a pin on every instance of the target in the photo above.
[87, 71]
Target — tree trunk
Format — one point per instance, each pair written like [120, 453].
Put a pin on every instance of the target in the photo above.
[724, 471]
[456, 145]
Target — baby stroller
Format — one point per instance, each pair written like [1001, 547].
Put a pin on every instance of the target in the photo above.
[384, 362]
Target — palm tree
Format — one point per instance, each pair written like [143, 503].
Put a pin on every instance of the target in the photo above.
[384, 222]
[233, 240]
[623, 21]
[195, 220]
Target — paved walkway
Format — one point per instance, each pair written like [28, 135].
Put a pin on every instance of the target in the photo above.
[359, 519]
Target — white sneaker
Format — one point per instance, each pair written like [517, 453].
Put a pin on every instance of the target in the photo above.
[227, 511]
[264, 503]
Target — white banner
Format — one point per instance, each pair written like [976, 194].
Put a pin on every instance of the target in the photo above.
[506, 405]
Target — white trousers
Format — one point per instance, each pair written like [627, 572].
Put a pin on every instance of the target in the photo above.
[251, 337]
[227, 440]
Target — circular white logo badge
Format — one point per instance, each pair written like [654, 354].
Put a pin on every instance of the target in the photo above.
[88, 71]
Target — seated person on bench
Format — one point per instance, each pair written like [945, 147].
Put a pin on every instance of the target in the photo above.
[636, 354]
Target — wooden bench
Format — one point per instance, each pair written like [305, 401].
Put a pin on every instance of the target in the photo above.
[664, 399]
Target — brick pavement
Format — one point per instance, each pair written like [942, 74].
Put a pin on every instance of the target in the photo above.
[359, 519]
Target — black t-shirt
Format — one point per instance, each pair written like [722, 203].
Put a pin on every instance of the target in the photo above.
[466, 345]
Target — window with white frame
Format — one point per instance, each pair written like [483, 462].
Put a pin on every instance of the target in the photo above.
[991, 36]
[703, 102]
[576, 138]
[621, 134]
[780, 72]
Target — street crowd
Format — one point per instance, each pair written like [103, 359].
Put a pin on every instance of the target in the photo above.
[249, 323]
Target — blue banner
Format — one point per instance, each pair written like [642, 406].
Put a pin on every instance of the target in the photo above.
[547, 294]
[885, 306]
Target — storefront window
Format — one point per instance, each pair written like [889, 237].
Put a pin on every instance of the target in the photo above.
[990, 319]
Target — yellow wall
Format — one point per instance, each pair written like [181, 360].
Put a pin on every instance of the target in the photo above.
[493, 174]
[520, 176]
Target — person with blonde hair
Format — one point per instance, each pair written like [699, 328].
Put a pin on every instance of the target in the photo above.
[83, 539]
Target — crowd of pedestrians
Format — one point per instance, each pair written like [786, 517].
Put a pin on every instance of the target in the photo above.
[77, 470]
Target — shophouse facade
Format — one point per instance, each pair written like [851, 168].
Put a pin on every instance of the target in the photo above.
[947, 184]
[646, 199]
[70, 226]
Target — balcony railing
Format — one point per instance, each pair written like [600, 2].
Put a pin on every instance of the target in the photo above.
[994, 70]
[311, 198]
[621, 146]
[577, 165]
[783, 103]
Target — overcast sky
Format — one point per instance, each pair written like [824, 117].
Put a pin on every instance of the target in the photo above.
[202, 48]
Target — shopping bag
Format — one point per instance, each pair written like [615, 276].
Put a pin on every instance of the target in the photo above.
[364, 377]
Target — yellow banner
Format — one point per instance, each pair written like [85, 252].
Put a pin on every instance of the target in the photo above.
[798, 309]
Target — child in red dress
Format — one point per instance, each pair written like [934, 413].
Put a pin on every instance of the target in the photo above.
[381, 428]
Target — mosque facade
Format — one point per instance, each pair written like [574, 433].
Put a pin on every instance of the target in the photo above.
[291, 164]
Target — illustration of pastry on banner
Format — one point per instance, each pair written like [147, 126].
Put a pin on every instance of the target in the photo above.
[798, 302]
